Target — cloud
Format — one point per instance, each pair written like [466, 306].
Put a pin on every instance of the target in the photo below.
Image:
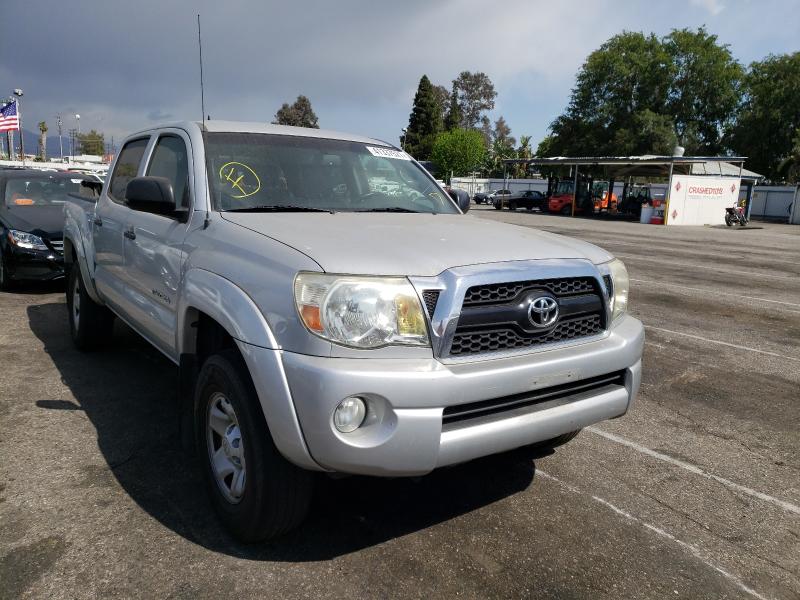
[714, 7]
[359, 61]
[159, 115]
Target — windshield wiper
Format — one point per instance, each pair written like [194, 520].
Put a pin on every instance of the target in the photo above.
[280, 208]
[396, 209]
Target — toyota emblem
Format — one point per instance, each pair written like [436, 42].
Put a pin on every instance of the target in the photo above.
[543, 311]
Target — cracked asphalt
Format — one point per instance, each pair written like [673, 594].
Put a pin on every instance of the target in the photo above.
[694, 494]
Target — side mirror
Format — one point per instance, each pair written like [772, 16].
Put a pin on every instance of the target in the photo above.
[150, 194]
[461, 197]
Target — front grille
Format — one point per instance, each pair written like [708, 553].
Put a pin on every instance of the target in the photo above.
[431, 297]
[505, 339]
[501, 292]
[466, 414]
[494, 317]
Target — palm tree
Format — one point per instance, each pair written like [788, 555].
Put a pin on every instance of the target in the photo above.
[523, 152]
[43, 140]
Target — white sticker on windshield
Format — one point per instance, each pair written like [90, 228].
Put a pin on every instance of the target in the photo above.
[76, 180]
[388, 153]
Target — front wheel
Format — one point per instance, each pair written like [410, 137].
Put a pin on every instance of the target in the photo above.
[90, 324]
[498, 206]
[512, 206]
[5, 278]
[256, 492]
[566, 210]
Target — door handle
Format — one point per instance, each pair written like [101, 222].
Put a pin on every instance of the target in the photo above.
[130, 234]
[98, 221]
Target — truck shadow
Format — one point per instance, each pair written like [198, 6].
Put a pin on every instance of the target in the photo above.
[129, 392]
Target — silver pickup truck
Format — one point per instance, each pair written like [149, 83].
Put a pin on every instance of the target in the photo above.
[331, 309]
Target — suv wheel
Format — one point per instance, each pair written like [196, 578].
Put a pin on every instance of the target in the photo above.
[256, 492]
[512, 205]
[90, 324]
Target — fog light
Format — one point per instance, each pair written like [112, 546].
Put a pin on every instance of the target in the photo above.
[350, 414]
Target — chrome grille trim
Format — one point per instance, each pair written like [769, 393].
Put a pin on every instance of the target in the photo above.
[455, 282]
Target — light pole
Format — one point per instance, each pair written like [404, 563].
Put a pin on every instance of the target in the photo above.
[78, 121]
[403, 137]
[18, 94]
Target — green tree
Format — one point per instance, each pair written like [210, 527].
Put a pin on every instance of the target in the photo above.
[769, 115]
[453, 117]
[704, 90]
[458, 152]
[299, 114]
[476, 95]
[442, 100]
[789, 169]
[628, 73]
[649, 133]
[424, 122]
[636, 86]
[524, 152]
[91, 143]
[502, 132]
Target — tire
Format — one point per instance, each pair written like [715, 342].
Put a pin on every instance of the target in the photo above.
[90, 324]
[556, 441]
[498, 206]
[274, 495]
[5, 280]
[512, 206]
[728, 220]
[566, 210]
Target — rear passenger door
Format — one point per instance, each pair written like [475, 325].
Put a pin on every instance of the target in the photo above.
[107, 228]
[153, 244]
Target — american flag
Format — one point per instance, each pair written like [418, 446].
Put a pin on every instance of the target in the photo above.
[9, 119]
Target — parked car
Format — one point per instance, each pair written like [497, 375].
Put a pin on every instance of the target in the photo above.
[529, 199]
[321, 326]
[497, 197]
[481, 198]
[31, 222]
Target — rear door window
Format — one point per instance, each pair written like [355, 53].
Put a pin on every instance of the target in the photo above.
[126, 169]
[170, 160]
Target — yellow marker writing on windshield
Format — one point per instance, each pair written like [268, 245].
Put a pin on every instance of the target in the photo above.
[241, 178]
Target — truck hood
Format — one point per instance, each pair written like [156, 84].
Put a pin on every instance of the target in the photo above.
[410, 244]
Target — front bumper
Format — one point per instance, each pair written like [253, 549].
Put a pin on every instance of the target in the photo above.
[33, 265]
[404, 434]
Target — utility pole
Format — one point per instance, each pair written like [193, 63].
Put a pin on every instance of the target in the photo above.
[72, 141]
[60, 144]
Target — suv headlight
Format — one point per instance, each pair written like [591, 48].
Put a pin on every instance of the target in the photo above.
[361, 312]
[26, 240]
[620, 285]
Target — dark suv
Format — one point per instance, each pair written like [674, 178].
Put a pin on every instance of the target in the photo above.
[32, 221]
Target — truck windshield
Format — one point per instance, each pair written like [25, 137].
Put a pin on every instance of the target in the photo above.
[255, 171]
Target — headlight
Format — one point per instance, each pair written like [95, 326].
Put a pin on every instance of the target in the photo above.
[619, 288]
[361, 312]
[26, 240]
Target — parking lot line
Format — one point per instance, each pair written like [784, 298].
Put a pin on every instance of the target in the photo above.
[693, 550]
[720, 342]
[737, 272]
[787, 506]
[715, 292]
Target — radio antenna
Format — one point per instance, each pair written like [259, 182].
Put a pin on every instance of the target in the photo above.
[207, 220]
[202, 94]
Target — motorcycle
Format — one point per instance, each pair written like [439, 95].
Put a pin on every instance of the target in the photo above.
[735, 214]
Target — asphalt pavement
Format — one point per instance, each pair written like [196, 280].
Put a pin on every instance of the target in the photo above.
[693, 494]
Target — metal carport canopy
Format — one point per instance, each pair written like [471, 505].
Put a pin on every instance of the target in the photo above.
[644, 165]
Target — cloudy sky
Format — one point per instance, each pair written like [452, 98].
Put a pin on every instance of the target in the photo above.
[126, 65]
